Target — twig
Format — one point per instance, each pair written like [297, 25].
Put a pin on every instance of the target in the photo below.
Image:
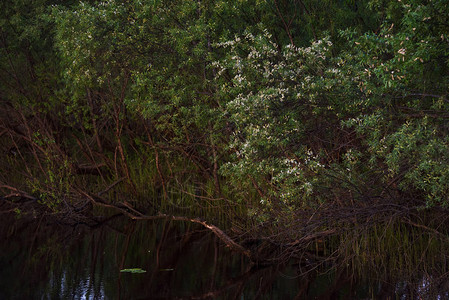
[111, 186]
[18, 193]
[287, 29]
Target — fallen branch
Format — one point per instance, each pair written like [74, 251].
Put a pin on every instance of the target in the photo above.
[127, 210]
[16, 193]
[436, 232]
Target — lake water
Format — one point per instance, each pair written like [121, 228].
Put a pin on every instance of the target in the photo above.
[47, 260]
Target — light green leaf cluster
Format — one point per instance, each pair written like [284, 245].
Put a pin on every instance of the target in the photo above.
[275, 96]
[366, 118]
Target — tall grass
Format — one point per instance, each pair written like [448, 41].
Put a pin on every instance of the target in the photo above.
[182, 189]
[395, 251]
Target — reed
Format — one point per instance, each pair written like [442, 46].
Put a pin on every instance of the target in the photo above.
[396, 250]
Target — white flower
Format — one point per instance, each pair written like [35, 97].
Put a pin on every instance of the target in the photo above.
[402, 51]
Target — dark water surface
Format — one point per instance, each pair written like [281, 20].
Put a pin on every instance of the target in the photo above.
[46, 260]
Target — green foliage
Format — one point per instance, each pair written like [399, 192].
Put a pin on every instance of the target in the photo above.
[151, 56]
[389, 87]
[406, 76]
[299, 104]
[55, 179]
[275, 93]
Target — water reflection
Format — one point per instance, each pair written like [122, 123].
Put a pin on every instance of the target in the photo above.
[47, 260]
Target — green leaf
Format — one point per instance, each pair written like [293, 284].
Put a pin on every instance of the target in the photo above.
[134, 270]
